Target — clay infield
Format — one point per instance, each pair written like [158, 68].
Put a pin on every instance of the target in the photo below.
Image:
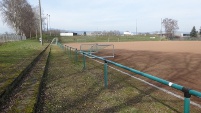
[175, 61]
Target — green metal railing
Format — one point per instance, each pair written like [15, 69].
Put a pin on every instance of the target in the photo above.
[187, 92]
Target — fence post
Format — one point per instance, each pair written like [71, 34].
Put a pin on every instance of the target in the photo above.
[4, 38]
[70, 52]
[76, 55]
[84, 61]
[186, 100]
[56, 41]
[106, 74]
[65, 49]
[62, 46]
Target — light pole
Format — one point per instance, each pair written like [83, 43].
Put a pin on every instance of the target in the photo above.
[136, 26]
[161, 27]
[41, 36]
[47, 23]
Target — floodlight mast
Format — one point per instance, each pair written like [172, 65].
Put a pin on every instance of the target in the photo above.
[41, 35]
[49, 26]
[161, 27]
[47, 22]
[136, 26]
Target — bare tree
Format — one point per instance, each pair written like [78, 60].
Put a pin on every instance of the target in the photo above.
[18, 14]
[170, 26]
[28, 26]
[9, 13]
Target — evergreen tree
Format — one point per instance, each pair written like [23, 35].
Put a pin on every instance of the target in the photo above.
[200, 30]
[193, 32]
[85, 34]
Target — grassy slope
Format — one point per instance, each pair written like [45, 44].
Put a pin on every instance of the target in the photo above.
[14, 57]
[70, 89]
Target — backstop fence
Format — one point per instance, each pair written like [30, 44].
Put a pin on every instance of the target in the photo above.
[73, 52]
[97, 48]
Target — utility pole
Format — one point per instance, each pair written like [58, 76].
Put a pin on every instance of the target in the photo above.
[41, 35]
[161, 27]
[36, 33]
[49, 26]
[136, 26]
[47, 23]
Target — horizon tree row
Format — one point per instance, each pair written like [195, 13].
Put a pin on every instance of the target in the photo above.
[107, 33]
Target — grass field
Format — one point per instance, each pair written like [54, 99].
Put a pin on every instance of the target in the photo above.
[107, 39]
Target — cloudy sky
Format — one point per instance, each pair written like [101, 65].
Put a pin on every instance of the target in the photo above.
[120, 15]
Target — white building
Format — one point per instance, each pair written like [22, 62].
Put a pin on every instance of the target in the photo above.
[182, 34]
[68, 34]
[127, 33]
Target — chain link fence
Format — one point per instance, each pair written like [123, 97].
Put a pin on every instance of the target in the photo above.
[11, 37]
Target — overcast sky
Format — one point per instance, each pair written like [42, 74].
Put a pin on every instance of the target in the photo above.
[90, 15]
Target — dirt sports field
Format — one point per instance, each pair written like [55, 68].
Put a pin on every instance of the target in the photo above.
[175, 61]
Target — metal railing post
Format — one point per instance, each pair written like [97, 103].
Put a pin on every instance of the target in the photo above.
[186, 100]
[106, 74]
[70, 52]
[76, 55]
[65, 48]
[84, 61]
[62, 46]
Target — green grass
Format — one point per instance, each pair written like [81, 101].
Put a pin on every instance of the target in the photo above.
[15, 57]
[69, 88]
[107, 38]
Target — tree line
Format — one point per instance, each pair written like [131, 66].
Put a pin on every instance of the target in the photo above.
[22, 17]
[19, 15]
[107, 33]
